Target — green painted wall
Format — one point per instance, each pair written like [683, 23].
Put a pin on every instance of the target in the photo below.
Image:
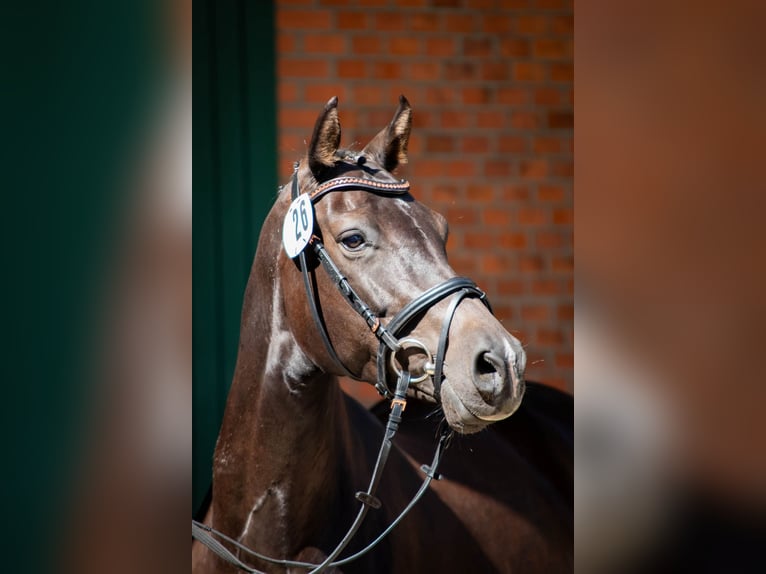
[235, 182]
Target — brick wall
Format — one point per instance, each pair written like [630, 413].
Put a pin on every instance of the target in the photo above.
[491, 86]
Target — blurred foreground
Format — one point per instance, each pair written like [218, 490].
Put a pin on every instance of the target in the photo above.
[670, 282]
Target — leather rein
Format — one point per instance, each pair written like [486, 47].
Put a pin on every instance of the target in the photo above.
[389, 345]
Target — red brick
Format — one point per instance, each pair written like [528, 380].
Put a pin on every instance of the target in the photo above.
[410, 3]
[404, 46]
[549, 240]
[287, 92]
[562, 264]
[480, 47]
[352, 69]
[464, 265]
[544, 145]
[490, 119]
[531, 216]
[496, 218]
[563, 216]
[352, 20]
[454, 119]
[390, 21]
[366, 44]
[459, 71]
[461, 169]
[513, 4]
[534, 313]
[366, 94]
[387, 70]
[515, 193]
[320, 93]
[512, 240]
[291, 144]
[429, 168]
[565, 312]
[480, 193]
[444, 193]
[285, 43]
[474, 144]
[424, 21]
[303, 19]
[528, 72]
[533, 169]
[478, 241]
[494, 264]
[512, 96]
[563, 169]
[531, 264]
[479, 95]
[562, 25]
[440, 95]
[549, 337]
[550, 193]
[459, 23]
[497, 168]
[565, 360]
[440, 47]
[532, 25]
[334, 2]
[552, 49]
[497, 24]
[549, 4]
[525, 120]
[495, 71]
[424, 71]
[510, 287]
[511, 144]
[560, 120]
[562, 72]
[440, 144]
[296, 118]
[302, 68]
[514, 48]
[547, 96]
[461, 215]
[325, 43]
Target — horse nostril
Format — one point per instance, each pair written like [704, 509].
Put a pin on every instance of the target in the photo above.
[490, 375]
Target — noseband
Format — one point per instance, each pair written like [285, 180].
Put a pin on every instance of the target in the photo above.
[389, 345]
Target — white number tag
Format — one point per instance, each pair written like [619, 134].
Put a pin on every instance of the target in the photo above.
[298, 225]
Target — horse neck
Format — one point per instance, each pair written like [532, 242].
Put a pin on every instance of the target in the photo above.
[284, 429]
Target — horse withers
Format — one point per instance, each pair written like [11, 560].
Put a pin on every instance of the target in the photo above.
[294, 449]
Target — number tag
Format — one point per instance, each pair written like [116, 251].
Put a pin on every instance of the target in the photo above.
[298, 225]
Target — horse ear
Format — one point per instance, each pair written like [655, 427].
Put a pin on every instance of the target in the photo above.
[389, 147]
[326, 138]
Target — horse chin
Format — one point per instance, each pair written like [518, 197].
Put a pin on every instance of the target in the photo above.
[470, 418]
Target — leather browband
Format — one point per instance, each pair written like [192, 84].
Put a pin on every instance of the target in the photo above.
[339, 183]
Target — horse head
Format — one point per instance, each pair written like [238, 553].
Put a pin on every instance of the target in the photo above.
[391, 248]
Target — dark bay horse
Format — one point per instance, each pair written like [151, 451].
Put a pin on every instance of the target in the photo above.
[294, 449]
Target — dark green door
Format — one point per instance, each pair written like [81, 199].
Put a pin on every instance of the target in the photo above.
[234, 186]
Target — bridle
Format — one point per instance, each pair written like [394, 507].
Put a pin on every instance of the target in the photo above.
[389, 344]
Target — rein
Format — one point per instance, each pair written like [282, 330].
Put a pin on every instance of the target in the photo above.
[390, 344]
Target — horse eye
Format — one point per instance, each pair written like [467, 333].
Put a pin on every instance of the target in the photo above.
[353, 241]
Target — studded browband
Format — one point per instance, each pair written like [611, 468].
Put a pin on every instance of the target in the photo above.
[347, 182]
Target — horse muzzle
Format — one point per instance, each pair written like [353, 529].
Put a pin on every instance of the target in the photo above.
[485, 386]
